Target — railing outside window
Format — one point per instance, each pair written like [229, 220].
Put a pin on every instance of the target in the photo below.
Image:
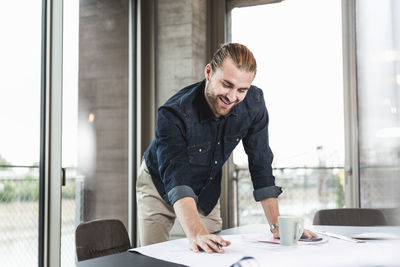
[19, 188]
[305, 190]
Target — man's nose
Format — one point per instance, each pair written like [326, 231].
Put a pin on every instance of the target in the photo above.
[231, 95]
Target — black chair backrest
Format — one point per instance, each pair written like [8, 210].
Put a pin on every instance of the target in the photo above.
[349, 217]
[100, 238]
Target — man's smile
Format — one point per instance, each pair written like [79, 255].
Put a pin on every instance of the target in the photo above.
[225, 102]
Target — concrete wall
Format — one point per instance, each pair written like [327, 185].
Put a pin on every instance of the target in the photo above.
[103, 91]
[173, 54]
[181, 53]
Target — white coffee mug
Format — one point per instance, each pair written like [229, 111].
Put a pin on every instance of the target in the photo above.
[290, 229]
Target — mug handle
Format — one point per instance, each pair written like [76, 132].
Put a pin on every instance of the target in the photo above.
[300, 229]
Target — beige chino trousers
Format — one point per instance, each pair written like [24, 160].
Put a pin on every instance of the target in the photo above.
[156, 218]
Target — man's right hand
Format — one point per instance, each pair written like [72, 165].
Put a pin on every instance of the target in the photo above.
[199, 238]
[208, 242]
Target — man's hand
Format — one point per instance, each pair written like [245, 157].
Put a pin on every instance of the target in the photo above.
[271, 210]
[275, 233]
[199, 238]
[307, 234]
[209, 243]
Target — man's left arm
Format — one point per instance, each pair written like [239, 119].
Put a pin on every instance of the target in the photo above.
[256, 145]
[271, 211]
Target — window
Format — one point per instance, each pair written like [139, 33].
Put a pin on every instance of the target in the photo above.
[20, 64]
[95, 116]
[378, 79]
[298, 48]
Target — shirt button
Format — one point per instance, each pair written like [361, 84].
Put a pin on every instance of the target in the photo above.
[216, 162]
[237, 139]
[211, 178]
[200, 150]
[218, 143]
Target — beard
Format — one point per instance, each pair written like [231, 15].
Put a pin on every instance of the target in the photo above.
[214, 101]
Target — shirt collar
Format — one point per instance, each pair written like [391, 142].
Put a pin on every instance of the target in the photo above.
[204, 109]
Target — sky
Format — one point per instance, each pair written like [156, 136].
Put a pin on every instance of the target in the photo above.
[20, 68]
[20, 81]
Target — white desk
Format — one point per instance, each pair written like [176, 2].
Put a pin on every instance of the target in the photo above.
[343, 230]
[376, 253]
[333, 253]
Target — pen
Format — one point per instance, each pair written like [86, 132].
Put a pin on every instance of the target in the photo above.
[219, 245]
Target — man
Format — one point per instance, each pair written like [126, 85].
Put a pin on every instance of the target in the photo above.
[197, 130]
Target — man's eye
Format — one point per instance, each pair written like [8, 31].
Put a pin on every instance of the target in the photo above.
[242, 91]
[226, 85]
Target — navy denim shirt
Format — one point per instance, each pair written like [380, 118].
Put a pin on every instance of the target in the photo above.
[186, 156]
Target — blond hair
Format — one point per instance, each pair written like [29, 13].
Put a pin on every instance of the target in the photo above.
[241, 56]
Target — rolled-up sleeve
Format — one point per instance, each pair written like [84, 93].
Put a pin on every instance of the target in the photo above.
[179, 192]
[260, 156]
[267, 192]
[173, 162]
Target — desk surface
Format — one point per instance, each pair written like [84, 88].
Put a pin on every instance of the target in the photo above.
[129, 259]
[126, 259]
[343, 230]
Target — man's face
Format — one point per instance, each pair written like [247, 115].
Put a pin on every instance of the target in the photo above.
[226, 87]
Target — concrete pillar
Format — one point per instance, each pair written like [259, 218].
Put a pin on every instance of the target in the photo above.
[103, 92]
[180, 44]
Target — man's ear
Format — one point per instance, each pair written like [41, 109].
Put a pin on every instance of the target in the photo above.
[207, 72]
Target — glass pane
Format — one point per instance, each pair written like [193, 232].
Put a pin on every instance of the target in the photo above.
[378, 74]
[71, 203]
[306, 190]
[20, 65]
[298, 47]
[95, 116]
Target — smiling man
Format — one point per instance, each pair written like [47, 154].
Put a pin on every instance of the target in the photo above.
[197, 130]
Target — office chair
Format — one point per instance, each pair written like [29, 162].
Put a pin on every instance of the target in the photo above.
[392, 216]
[349, 217]
[100, 238]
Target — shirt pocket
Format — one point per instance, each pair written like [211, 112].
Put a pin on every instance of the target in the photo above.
[199, 154]
[230, 142]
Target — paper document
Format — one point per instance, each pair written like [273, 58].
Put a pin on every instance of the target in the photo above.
[342, 237]
[252, 252]
[178, 251]
[376, 236]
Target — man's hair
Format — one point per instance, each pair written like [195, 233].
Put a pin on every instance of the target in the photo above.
[241, 56]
